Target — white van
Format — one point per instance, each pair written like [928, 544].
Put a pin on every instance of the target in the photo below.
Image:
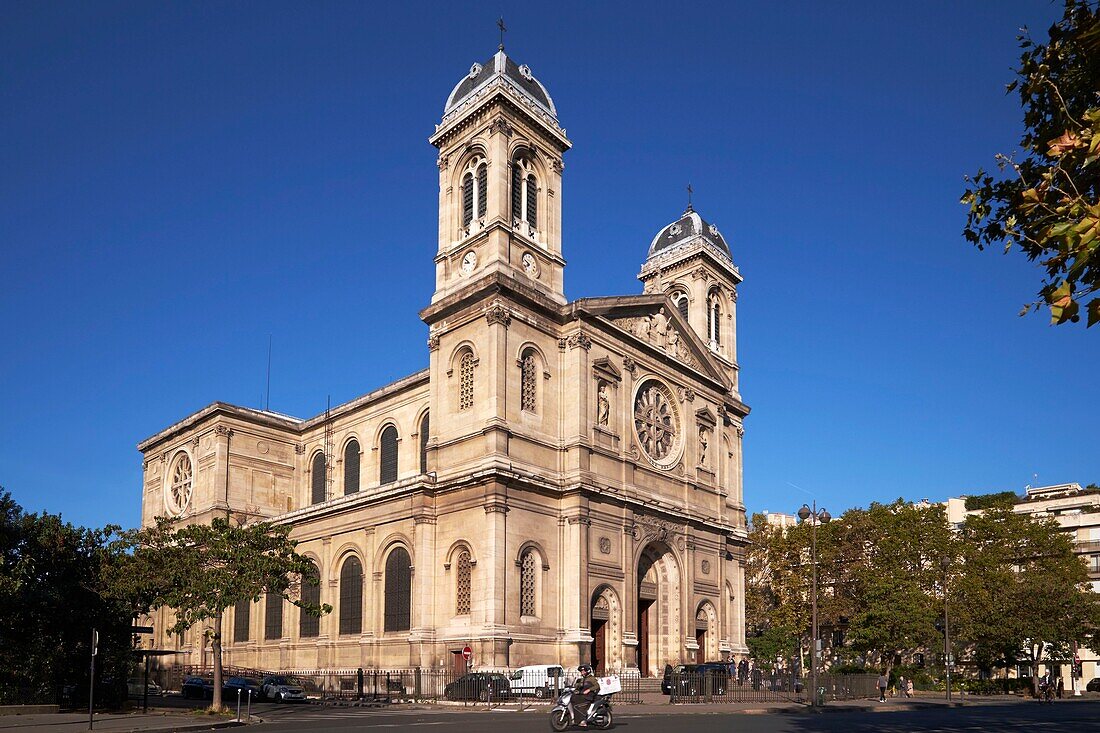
[537, 680]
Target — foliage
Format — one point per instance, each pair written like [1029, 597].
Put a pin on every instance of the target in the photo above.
[988, 501]
[51, 578]
[201, 570]
[1047, 201]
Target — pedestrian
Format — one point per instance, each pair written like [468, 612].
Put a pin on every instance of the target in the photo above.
[742, 671]
[909, 689]
[1061, 687]
[902, 686]
[883, 682]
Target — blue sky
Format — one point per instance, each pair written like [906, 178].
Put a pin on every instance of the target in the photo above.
[181, 180]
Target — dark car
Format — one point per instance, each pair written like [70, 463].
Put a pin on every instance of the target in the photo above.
[244, 685]
[478, 686]
[717, 674]
[197, 688]
[1093, 685]
[281, 688]
[681, 677]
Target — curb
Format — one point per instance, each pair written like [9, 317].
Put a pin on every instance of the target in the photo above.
[193, 727]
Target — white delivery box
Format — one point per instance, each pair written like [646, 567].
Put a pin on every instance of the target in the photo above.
[610, 685]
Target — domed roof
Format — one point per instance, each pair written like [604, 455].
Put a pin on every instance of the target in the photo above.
[502, 70]
[687, 228]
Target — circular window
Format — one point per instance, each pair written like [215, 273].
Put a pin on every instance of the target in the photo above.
[657, 423]
[178, 487]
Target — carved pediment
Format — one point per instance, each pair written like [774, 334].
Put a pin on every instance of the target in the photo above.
[603, 367]
[658, 330]
[705, 417]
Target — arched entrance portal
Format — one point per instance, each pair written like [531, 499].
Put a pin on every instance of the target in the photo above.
[606, 631]
[707, 632]
[659, 639]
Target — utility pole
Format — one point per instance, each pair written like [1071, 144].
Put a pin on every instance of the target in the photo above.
[91, 683]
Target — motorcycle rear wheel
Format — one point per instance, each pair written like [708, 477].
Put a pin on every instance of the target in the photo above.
[559, 720]
[602, 720]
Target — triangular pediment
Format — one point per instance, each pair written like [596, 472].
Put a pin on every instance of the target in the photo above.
[654, 321]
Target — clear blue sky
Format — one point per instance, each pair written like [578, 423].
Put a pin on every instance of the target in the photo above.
[180, 180]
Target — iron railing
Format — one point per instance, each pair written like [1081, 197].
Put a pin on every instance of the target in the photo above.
[693, 687]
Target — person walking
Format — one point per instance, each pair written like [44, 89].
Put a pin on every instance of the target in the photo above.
[909, 688]
[902, 686]
[883, 682]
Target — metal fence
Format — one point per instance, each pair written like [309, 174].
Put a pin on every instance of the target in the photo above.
[714, 686]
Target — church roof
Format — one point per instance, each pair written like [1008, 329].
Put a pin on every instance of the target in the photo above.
[689, 227]
[500, 69]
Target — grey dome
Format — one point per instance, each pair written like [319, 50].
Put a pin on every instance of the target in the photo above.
[688, 227]
[500, 69]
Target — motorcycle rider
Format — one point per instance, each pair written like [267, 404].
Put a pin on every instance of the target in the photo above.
[585, 690]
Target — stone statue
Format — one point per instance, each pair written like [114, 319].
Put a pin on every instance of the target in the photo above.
[702, 446]
[603, 405]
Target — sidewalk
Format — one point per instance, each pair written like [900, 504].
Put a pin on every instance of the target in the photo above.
[113, 723]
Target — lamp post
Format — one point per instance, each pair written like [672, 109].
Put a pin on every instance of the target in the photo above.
[817, 518]
[944, 565]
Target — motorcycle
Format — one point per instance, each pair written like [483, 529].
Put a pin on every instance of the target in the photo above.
[598, 716]
[1046, 692]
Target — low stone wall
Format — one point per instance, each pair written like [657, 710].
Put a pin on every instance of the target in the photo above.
[28, 709]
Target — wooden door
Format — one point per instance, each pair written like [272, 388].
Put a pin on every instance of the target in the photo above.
[643, 636]
[599, 647]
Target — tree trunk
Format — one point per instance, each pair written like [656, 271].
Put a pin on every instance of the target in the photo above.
[216, 652]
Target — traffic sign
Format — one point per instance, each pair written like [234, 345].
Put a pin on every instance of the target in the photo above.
[141, 630]
[467, 653]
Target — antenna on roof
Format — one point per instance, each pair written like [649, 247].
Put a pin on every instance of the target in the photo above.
[690, 191]
[500, 24]
[267, 402]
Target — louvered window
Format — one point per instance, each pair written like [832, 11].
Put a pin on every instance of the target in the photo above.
[528, 381]
[241, 613]
[398, 590]
[517, 192]
[388, 458]
[351, 467]
[527, 584]
[466, 381]
[424, 443]
[317, 478]
[531, 191]
[273, 616]
[467, 199]
[714, 320]
[462, 584]
[681, 301]
[482, 191]
[308, 625]
[351, 597]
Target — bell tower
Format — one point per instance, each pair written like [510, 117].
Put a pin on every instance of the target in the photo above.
[500, 170]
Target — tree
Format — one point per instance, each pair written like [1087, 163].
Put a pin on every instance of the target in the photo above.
[1047, 201]
[51, 597]
[200, 570]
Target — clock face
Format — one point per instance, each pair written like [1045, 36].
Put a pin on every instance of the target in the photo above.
[469, 262]
[530, 266]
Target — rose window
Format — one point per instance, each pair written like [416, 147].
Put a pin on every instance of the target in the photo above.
[180, 480]
[656, 421]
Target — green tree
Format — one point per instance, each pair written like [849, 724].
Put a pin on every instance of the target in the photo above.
[775, 613]
[200, 570]
[1046, 201]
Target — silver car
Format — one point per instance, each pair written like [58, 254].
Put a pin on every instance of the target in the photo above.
[282, 689]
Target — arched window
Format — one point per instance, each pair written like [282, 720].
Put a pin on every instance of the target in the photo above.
[466, 380]
[387, 447]
[351, 597]
[398, 591]
[424, 443]
[474, 191]
[273, 616]
[525, 191]
[462, 583]
[680, 300]
[317, 478]
[351, 467]
[527, 564]
[309, 625]
[241, 618]
[714, 319]
[528, 380]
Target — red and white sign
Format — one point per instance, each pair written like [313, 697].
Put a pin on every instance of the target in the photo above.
[467, 653]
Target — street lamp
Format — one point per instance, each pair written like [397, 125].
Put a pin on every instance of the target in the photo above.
[944, 565]
[821, 517]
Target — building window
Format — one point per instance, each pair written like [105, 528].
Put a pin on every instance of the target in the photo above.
[424, 443]
[462, 584]
[680, 300]
[398, 590]
[351, 597]
[466, 381]
[241, 613]
[351, 467]
[524, 194]
[527, 584]
[181, 479]
[474, 192]
[714, 319]
[388, 459]
[308, 625]
[317, 478]
[273, 616]
[528, 380]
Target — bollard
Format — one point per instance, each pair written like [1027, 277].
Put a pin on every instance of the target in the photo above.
[359, 682]
[238, 704]
[249, 714]
[820, 696]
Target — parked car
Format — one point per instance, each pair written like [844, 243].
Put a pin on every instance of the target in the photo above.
[478, 686]
[134, 688]
[538, 680]
[683, 677]
[1093, 685]
[246, 686]
[718, 673]
[281, 688]
[197, 688]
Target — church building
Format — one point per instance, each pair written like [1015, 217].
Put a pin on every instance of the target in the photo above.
[560, 484]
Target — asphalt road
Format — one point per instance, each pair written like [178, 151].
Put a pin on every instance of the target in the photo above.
[1071, 717]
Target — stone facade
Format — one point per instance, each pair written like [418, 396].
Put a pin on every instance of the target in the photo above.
[561, 484]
